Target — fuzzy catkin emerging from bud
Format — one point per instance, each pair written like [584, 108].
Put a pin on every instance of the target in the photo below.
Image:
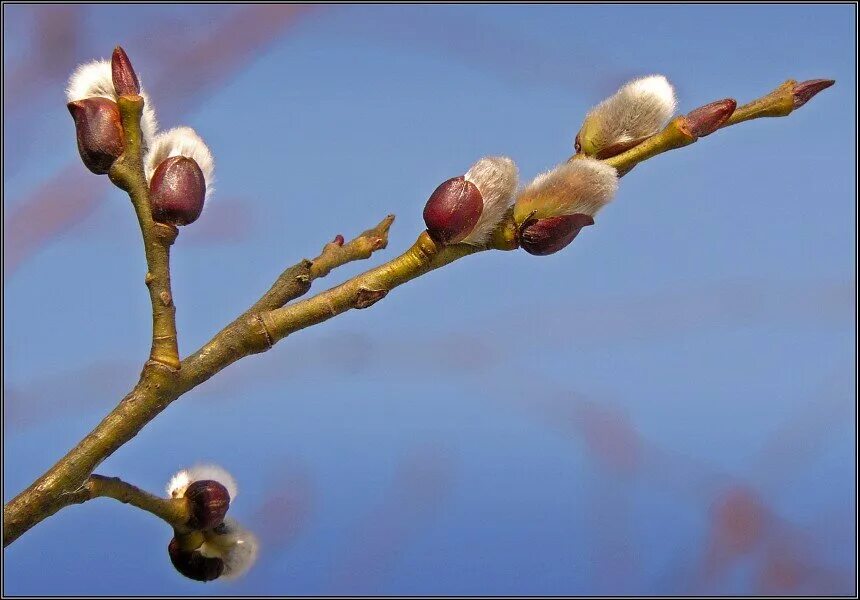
[180, 170]
[468, 208]
[179, 483]
[496, 179]
[581, 186]
[96, 80]
[638, 110]
[556, 205]
[234, 545]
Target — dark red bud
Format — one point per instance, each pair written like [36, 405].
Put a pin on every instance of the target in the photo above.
[453, 210]
[805, 90]
[209, 503]
[706, 119]
[546, 236]
[338, 239]
[177, 191]
[125, 81]
[193, 564]
[99, 132]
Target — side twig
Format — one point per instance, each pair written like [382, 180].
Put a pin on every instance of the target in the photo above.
[173, 511]
[128, 174]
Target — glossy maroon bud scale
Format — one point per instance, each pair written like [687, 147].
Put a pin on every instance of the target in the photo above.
[547, 236]
[192, 564]
[805, 90]
[706, 119]
[125, 81]
[209, 501]
[177, 191]
[452, 210]
[99, 132]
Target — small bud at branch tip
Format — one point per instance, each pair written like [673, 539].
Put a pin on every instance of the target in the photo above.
[125, 80]
[805, 90]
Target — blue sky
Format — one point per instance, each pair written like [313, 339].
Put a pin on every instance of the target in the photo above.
[511, 424]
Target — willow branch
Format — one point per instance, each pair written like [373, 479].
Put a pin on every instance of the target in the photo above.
[58, 487]
[173, 511]
[780, 102]
[127, 173]
[295, 281]
[258, 331]
[62, 484]
[272, 317]
[365, 290]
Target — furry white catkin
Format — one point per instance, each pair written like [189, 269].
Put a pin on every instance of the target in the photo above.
[639, 109]
[576, 187]
[496, 178]
[181, 141]
[180, 481]
[94, 80]
[233, 544]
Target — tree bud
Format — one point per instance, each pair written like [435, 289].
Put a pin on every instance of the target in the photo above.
[706, 119]
[99, 132]
[177, 191]
[209, 503]
[100, 78]
[546, 236]
[193, 564]
[125, 81]
[452, 210]
[805, 90]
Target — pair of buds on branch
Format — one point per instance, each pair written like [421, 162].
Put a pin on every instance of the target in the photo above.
[210, 545]
[551, 210]
[178, 165]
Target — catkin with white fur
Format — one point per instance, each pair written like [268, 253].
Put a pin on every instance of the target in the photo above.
[639, 109]
[180, 481]
[181, 141]
[496, 178]
[580, 186]
[95, 80]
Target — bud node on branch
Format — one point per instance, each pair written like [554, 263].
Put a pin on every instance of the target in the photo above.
[365, 298]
